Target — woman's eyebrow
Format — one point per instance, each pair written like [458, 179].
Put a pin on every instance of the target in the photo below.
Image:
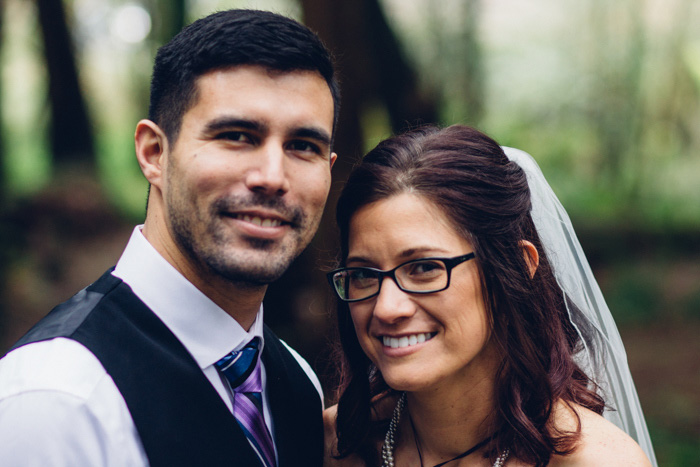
[427, 250]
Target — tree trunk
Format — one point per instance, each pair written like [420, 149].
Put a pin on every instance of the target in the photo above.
[71, 133]
[5, 247]
[169, 19]
[372, 70]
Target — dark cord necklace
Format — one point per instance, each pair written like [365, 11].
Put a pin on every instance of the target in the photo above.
[469, 451]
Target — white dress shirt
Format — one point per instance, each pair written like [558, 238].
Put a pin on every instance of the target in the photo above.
[59, 407]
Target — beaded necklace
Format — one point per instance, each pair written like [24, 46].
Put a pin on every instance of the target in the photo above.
[390, 441]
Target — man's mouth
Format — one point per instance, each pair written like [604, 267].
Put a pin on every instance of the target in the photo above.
[408, 340]
[260, 211]
[258, 220]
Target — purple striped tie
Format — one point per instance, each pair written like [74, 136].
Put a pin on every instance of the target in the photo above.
[242, 370]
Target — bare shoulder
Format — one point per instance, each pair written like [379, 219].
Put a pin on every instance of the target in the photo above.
[382, 408]
[602, 443]
[331, 443]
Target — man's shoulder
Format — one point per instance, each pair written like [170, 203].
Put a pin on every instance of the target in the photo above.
[48, 364]
[58, 365]
[58, 406]
[66, 317]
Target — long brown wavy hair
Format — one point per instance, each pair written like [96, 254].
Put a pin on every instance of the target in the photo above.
[486, 198]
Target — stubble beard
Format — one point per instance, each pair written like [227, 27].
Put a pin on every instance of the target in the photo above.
[246, 262]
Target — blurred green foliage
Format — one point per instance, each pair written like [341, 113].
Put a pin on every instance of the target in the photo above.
[605, 95]
[674, 448]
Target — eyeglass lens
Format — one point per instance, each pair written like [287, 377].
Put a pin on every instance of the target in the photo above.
[417, 276]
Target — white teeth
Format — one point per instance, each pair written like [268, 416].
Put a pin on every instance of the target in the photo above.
[259, 221]
[406, 341]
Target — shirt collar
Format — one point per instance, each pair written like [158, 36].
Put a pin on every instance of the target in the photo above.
[206, 330]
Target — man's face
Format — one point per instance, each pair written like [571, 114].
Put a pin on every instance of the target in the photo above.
[245, 183]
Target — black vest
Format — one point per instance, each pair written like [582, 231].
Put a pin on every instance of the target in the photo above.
[180, 417]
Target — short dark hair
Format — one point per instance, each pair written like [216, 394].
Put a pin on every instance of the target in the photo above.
[226, 39]
[486, 197]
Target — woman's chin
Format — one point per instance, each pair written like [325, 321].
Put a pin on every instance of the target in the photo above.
[408, 383]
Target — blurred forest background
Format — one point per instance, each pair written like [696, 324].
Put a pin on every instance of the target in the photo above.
[605, 95]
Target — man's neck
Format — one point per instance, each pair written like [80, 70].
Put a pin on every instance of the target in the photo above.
[239, 300]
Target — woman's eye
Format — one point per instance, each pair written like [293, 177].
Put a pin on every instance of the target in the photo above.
[426, 268]
[361, 279]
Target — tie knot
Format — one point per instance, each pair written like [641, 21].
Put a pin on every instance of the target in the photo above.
[240, 364]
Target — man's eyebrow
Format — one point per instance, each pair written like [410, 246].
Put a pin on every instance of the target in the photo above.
[312, 133]
[224, 123]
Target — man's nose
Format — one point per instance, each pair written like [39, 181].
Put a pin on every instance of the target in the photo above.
[268, 172]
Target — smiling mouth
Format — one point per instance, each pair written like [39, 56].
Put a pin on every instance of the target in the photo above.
[407, 341]
[259, 221]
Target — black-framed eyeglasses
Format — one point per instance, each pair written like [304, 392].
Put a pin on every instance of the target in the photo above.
[420, 276]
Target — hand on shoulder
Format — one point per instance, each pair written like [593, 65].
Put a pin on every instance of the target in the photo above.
[601, 444]
[329, 436]
[331, 442]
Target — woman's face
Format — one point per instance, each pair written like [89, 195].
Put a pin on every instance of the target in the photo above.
[419, 341]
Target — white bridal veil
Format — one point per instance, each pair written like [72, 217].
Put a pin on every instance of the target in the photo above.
[603, 358]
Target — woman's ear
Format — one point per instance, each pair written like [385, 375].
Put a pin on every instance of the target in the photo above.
[151, 148]
[532, 257]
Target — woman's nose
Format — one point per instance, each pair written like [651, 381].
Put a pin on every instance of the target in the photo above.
[393, 304]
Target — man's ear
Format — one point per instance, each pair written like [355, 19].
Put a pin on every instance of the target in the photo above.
[532, 257]
[151, 149]
[334, 157]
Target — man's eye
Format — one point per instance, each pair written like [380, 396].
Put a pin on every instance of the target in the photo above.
[304, 146]
[236, 136]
